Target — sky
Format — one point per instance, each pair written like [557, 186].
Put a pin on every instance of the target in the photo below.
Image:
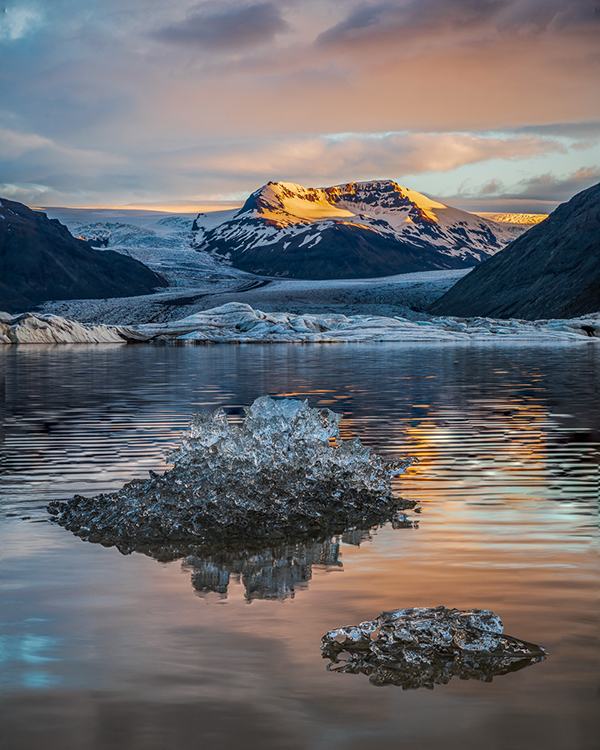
[488, 105]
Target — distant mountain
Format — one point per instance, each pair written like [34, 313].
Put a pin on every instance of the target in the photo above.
[513, 218]
[358, 230]
[41, 260]
[552, 271]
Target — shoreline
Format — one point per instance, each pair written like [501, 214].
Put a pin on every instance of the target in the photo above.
[239, 323]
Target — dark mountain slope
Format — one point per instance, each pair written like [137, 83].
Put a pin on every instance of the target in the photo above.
[343, 251]
[552, 271]
[41, 260]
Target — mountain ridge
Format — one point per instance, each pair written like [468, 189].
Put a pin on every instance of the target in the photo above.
[357, 229]
[552, 271]
[41, 260]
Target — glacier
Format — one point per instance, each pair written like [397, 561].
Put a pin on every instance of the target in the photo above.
[427, 646]
[283, 473]
[159, 239]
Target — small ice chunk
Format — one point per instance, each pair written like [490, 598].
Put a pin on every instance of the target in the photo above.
[421, 647]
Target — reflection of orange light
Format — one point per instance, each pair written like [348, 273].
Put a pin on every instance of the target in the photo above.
[502, 452]
[356, 224]
[167, 208]
[177, 209]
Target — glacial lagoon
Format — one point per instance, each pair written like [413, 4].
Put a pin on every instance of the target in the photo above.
[220, 648]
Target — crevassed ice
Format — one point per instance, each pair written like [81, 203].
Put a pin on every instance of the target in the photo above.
[283, 472]
[421, 647]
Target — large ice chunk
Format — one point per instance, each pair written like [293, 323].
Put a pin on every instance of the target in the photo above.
[422, 647]
[284, 472]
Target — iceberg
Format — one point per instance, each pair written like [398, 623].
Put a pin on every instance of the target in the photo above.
[238, 323]
[283, 473]
[423, 647]
[52, 329]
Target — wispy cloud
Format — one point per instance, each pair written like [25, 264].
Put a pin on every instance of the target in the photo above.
[480, 19]
[551, 187]
[18, 21]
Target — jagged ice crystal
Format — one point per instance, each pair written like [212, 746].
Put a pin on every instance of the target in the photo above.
[283, 471]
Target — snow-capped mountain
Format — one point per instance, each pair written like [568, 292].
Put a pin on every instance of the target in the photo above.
[357, 230]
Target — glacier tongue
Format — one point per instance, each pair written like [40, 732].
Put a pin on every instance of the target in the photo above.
[422, 647]
[284, 472]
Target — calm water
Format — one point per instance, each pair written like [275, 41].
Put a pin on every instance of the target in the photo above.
[100, 650]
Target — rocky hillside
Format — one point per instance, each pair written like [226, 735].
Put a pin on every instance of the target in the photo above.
[41, 260]
[358, 230]
[552, 271]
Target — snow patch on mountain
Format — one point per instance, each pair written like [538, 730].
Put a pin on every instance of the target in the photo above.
[512, 218]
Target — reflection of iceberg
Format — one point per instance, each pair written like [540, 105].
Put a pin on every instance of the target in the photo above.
[275, 572]
[423, 647]
[284, 473]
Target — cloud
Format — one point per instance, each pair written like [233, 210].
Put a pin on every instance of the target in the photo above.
[14, 144]
[131, 100]
[484, 18]
[587, 131]
[362, 156]
[57, 174]
[232, 29]
[18, 22]
[101, 74]
[537, 194]
[493, 187]
[550, 187]
[33, 166]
